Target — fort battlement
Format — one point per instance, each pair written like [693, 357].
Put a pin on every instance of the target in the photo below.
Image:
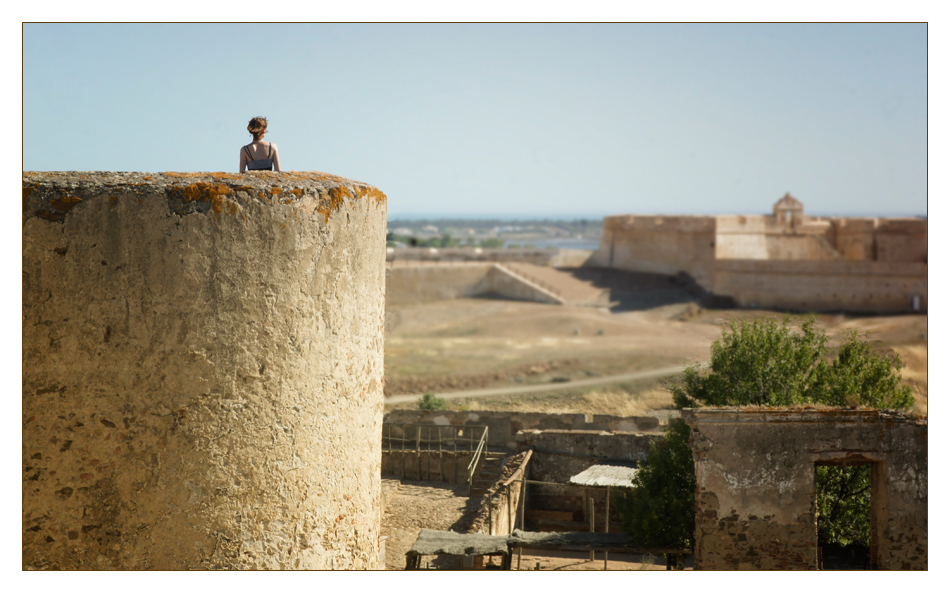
[202, 370]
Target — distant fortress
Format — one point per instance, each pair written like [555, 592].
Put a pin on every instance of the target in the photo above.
[785, 260]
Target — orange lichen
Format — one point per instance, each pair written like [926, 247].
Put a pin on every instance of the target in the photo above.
[275, 190]
[371, 192]
[66, 203]
[337, 195]
[204, 191]
[297, 192]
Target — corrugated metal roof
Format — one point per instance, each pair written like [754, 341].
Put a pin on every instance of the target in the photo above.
[605, 475]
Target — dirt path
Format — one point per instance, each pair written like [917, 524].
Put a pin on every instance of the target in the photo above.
[546, 387]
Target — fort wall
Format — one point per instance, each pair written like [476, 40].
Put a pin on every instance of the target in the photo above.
[860, 286]
[785, 260]
[659, 245]
[407, 284]
[554, 257]
[202, 371]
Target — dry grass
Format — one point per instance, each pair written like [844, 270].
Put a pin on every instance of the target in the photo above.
[915, 373]
[618, 401]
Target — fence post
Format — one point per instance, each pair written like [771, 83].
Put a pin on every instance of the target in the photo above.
[523, 502]
[590, 500]
[508, 495]
[607, 524]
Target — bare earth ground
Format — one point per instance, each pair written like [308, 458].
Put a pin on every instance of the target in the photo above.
[462, 344]
[411, 506]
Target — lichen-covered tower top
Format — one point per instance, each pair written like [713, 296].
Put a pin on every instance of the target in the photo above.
[191, 192]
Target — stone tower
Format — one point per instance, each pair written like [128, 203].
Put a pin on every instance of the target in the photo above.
[202, 370]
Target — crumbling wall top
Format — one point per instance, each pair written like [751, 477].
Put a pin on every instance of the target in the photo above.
[803, 414]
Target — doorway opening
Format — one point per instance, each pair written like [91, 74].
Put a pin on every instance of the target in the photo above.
[848, 505]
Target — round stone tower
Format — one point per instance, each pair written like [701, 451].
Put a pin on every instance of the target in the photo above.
[202, 370]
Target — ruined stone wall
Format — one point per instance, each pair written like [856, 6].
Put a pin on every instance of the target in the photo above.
[560, 454]
[503, 427]
[202, 370]
[755, 490]
[429, 466]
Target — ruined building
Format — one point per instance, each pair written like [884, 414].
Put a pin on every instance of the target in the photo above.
[202, 370]
[785, 260]
[755, 484]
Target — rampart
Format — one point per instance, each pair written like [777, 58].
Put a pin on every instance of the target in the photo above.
[757, 510]
[202, 370]
[784, 260]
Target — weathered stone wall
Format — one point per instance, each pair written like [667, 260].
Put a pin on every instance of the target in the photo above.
[503, 282]
[659, 245]
[407, 284]
[755, 490]
[503, 427]
[861, 286]
[429, 466]
[560, 454]
[557, 455]
[202, 370]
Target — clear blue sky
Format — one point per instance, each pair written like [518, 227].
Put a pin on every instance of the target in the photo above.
[503, 120]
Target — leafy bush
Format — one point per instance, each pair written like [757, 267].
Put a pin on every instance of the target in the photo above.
[764, 363]
[429, 401]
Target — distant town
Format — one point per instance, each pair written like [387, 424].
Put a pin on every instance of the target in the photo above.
[495, 233]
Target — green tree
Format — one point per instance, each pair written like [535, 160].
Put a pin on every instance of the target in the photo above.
[765, 363]
[658, 510]
[844, 503]
[429, 401]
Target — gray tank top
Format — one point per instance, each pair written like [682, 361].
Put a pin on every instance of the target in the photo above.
[260, 164]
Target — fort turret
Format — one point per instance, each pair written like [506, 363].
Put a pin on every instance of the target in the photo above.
[202, 370]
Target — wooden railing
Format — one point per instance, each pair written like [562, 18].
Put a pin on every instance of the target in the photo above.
[473, 465]
[432, 437]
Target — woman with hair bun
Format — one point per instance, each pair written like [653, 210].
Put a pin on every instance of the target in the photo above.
[258, 155]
